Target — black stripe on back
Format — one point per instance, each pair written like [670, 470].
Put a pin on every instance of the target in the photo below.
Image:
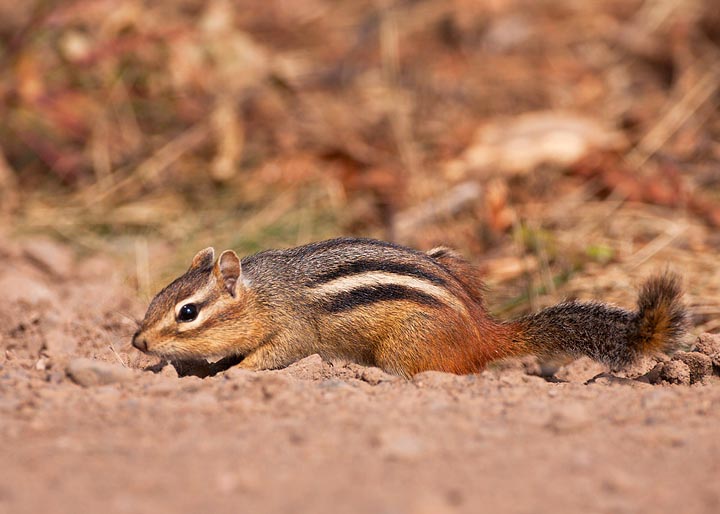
[367, 265]
[368, 295]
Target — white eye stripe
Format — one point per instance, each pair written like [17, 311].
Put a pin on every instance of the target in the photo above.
[199, 297]
[204, 314]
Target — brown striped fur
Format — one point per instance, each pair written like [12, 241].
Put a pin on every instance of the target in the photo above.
[380, 304]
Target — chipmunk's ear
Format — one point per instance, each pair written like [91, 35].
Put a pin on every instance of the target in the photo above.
[203, 259]
[228, 271]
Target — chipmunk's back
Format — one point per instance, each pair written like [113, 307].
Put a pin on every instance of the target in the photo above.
[349, 271]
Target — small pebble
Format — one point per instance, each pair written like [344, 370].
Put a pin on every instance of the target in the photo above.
[700, 365]
[374, 376]
[709, 344]
[90, 372]
[169, 371]
[308, 368]
[676, 372]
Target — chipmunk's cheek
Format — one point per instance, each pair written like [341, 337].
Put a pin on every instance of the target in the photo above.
[177, 347]
[200, 347]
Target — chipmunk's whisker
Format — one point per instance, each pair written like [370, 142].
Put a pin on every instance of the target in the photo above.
[129, 317]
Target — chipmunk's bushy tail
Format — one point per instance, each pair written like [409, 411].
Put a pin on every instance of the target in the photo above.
[608, 334]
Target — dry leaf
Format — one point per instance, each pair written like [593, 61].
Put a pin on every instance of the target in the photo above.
[518, 145]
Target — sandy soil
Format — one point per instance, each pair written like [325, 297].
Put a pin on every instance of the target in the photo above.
[318, 437]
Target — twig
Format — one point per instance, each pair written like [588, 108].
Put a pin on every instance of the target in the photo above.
[448, 204]
[154, 165]
[654, 246]
[112, 349]
[676, 116]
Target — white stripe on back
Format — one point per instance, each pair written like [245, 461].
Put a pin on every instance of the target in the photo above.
[381, 278]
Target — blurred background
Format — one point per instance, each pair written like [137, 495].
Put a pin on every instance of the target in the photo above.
[569, 148]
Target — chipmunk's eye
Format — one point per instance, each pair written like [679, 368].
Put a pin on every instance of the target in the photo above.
[188, 312]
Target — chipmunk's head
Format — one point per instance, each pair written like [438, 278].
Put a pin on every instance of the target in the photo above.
[202, 314]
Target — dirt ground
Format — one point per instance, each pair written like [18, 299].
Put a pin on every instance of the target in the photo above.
[318, 437]
[568, 148]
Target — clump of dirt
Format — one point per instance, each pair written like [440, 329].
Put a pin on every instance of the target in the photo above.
[88, 423]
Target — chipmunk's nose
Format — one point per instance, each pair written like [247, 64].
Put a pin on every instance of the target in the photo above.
[139, 342]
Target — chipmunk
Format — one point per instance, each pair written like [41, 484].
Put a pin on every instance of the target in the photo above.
[381, 304]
